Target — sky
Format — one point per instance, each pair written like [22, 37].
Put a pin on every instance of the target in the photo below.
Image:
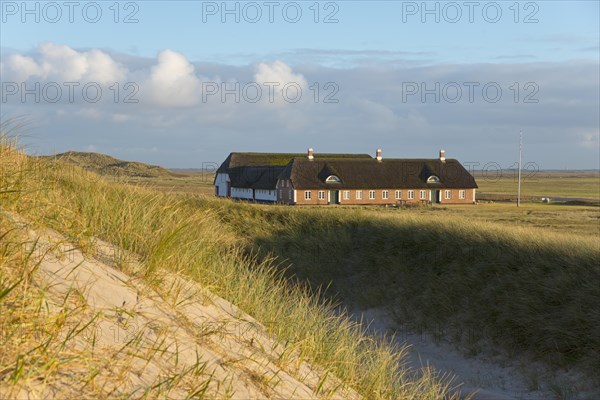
[184, 83]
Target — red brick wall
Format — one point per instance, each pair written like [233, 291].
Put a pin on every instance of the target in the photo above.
[455, 196]
[379, 200]
[314, 197]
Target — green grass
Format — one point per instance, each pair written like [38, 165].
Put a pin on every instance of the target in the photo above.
[185, 234]
[584, 184]
[518, 278]
[553, 217]
[524, 289]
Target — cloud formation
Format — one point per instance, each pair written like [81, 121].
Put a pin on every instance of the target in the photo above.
[172, 81]
[474, 111]
[61, 63]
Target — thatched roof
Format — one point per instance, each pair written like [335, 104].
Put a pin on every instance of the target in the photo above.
[255, 177]
[236, 160]
[355, 171]
[260, 170]
[373, 174]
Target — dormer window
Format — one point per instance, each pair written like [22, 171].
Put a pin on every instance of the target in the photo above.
[433, 179]
[333, 179]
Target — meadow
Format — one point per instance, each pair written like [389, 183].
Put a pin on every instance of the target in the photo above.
[560, 184]
[166, 234]
[525, 280]
[516, 277]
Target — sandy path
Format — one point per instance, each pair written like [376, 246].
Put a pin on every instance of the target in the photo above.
[500, 378]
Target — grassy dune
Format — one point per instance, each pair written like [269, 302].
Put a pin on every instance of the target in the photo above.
[109, 166]
[181, 234]
[522, 288]
[477, 282]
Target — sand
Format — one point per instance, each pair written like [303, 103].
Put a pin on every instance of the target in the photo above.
[230, 353]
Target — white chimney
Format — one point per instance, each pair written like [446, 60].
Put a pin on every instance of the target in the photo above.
[310, 154]
[378, 155]
[442, 155]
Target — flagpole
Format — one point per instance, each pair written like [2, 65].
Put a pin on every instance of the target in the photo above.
[520, 156]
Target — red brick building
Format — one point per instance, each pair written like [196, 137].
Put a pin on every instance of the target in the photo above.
[321, 179]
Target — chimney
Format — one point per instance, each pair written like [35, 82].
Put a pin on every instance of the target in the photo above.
[310, 154]
[442, 155]
[378, 155]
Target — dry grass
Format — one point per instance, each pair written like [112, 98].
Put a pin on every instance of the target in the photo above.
[165, 233]
[576, 184]
[524, 289]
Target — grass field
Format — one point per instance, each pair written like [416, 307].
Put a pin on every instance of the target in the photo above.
[336, 254]
[555, 217]
[167, 233]
[517, 286]
[526, 280]
[555, 184]
[562, 184]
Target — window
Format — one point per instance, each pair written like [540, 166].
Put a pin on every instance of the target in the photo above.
[433, 178]
[462, 194]
[289, 194]
[411, 194]
[398, 194]
[307, 195]
[346, 195]
[423, 194]
[333, 179]
[371, 195]
[385, 194]
[448, 194]
[359, 195]
[321, 195]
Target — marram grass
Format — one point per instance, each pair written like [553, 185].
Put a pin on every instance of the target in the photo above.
[176, 234]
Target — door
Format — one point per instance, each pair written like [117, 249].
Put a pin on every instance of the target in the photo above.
[436, 196]
[334, 196]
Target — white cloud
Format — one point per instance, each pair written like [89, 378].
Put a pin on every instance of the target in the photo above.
[279, 72]
[172, 82]
[20, 68]
[61, 63]
[590, 140]
[280, 77]
[172, 116]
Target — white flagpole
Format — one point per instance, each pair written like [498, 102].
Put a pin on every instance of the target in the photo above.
[520, 154]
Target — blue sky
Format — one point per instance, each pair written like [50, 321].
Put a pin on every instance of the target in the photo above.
[371, 53]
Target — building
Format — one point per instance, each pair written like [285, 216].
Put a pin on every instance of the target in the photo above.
[321, 179]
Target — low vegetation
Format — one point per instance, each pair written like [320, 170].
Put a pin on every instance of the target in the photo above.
[460, 274]
[170, 234]
[524, 289]
[502, 184]
[103, 164]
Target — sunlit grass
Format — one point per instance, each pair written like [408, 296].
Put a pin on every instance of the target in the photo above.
[177, 234]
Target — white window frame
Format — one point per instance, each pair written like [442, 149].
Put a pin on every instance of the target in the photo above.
[447, 194]
[321, 195]
[398, 195]
[346, 195]
[359, 195]
[385, 194]
[423, 194]
[307, 195]
[462, 194]
[333, 179]
[411, 194]
[372, 195]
